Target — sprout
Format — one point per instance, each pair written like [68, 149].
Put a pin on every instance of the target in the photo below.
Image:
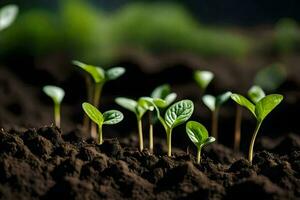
[203, 78]
[56, 94]
[199, 136]
[260, 110]
[109, 117]
[95, 81]
[214, 104]
[139, 108]
[8, 15]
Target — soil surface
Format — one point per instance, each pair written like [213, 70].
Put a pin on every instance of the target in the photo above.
[47, 164]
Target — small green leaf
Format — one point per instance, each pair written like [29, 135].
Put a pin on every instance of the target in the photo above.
[266, 105]
[127, 103]
[241, 100]
[112, 117]
[96, 72]
[160, 103]
[209, 140]
[56, 93]
[161, 92]
[203, 78]
[256, 93]
[178, 113]
[114, 73]
[7, 15]
[170, 98]
[197, 133]
[144, 103]
[222, 98]
[209, 101]
[94, 114]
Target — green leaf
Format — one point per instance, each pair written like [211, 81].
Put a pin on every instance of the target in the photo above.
[256, 93]
[241, 100]
[197, 133]
[114, 73]
[209, 101]
[127, 103]
[161, 92]
[209, 140]
[178, 113]
[94, 114]
[266, 105]
[203, 78]
[7, 15]
[97, 73]
[170, 98]
[56, 93]
[144, 102]
[112, 117]
[160, 103]
[222, 98]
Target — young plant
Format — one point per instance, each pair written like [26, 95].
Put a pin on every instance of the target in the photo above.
[95, 79]
[8, 15]
[139, 108]
[109, 117]
[203, 78]
[260, 110]
[56, 94]
[255, 93]
[214, 104]
[198, 134]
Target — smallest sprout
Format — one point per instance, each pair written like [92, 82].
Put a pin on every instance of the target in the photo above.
[109, 117]
[198, 134]
[56, 94]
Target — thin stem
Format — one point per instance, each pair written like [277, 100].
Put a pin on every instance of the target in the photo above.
[250, 155]
[140, 129]
[214, 125]
[100, 138]
[96, 101]
[150, 132]
[57, 114]
[198, 155]
[89, 86]
[169, 141]
[237, 129]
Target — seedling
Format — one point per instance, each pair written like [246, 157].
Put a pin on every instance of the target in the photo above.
[139, 108]
[260, 110]
[8, 15]
[198, 134]
[255, 93]
[109, 117]
[56, 94]
[203, 78]
[214, 104]
[95, 79]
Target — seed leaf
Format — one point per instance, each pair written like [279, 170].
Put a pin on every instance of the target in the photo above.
[94, 114]
[209, 140]
[203, 78]
[222, 98]
[170, 98]
[161, 91]
[56, 93]
[209, 101]
[114, 73]
[266, 105]
[241, 100]
[96, 72]
[197, 133]
[144, 103]
[256, 93]
[178, 113]
[7, 15]
[127, 103]
[112, 117]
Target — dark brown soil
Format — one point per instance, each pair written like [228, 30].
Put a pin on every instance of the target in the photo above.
[46, 164]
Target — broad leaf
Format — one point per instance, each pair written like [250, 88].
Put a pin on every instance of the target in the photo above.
[161, 92]
[96, 72]
[197, 133]
[209, 140]
[241, 100]
[222, 98]
[209, 101]
[266, 105]
[179, 113]
[256, 93]
[127, 103]
[114, 73]
[56, 93]
[94, 114]
[7, 15]
[203, 78]
[112, 117]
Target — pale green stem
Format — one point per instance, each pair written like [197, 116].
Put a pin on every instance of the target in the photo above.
[250, 155]
[214, 123]
[169, 141]
[199, 155]
[96, 101]
[57, 114]
[140, 129]
[237, 131]
[150, 133]
[100, 138]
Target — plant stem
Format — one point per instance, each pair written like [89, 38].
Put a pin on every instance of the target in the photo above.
[96, 101]
[100, 138]
[89, 86]
[140, 129]
[214, 121]
[250, 155]
[150, 133]
[57, 114]
[198, 155]
[237, 129]
[169, 141]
